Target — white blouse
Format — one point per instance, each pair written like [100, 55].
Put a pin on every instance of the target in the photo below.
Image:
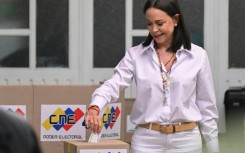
[190, 95]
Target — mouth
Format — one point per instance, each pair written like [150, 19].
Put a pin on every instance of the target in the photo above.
[157, 36]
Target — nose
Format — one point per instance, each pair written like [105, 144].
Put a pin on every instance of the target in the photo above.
[155, 28]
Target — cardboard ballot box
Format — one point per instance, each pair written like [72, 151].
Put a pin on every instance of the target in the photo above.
[18, 99]
[60, 111]
[60, 100]
[104, 146]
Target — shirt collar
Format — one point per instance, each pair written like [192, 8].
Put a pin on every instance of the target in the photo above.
[183, 50]
[179, 51]
[151, 46]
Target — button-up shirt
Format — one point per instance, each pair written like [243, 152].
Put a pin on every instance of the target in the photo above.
[190, 95]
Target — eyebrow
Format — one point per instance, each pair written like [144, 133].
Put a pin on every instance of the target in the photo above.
[155, 20]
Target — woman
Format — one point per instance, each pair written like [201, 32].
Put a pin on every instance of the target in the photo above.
[175, 95]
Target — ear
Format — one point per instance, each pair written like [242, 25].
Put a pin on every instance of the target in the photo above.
[176, 19]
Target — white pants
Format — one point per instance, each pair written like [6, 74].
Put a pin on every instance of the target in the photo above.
[150, 141]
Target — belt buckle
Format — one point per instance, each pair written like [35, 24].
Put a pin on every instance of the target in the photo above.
[167, 128]
[162, 130]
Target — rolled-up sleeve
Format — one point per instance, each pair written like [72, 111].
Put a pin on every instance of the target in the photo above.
[206, 103]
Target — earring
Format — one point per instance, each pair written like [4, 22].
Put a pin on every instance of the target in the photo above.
[175, 24]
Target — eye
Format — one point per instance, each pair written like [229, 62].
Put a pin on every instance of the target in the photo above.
[159, 24]
[148, 23]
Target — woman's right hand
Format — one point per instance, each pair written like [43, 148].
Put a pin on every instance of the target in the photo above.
[93, 120]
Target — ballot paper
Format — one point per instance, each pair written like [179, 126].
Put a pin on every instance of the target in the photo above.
[94, 137]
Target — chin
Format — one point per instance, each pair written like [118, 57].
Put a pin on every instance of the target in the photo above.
[158, 41]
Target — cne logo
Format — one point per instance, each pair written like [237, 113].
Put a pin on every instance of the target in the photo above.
[63, 119]
[110, 117]
[17, 111]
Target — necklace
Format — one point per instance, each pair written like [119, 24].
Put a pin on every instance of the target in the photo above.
[158, 54]
[165, 76]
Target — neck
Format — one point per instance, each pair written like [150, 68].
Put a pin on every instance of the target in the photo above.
[162, 47]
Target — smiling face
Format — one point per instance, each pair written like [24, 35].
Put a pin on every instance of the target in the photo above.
[161, 26]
